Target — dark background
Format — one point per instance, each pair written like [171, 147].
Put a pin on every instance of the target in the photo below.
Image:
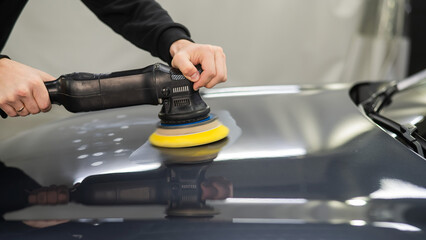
[417, 31]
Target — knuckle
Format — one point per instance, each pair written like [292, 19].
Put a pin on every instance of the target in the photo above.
[222, 78]
[22, 92]
[178, 56]
[11, 99]
[208, 48]
[223, 55]
[211, 73]
[219, 49]
[34, 80]
[187, 70]
[44, 107]
[176, 60]
[212, 48]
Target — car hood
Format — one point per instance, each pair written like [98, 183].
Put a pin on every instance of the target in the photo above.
[294, 155]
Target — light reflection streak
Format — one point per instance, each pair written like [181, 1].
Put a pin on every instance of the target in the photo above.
[416, 120]
[250, 91]
[357, 202]
[396, 189]
[358, 223]
[266, 201]
[135, 168]
[268, 220]
[399, 226]
[95, 164]
[261, 154]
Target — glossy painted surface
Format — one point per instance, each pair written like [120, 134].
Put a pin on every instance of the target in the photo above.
[298, 163]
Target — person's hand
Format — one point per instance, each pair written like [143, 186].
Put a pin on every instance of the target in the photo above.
[49, 195]
[186, 54]
[22, 89]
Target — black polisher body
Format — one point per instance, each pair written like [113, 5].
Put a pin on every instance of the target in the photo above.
[154, 84]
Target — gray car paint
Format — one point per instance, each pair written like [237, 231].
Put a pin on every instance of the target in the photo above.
[295, 155]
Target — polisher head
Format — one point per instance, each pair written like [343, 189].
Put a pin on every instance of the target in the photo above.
[197, 133]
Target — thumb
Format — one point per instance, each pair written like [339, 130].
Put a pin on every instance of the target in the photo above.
[186, 67]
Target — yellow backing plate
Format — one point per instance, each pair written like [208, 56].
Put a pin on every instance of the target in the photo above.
[189, 140]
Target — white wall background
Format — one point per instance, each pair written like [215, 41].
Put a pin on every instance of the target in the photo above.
[266, 42]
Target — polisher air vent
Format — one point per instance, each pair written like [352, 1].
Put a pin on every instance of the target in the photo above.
[180, 89]
[176, 75]
[181, 102]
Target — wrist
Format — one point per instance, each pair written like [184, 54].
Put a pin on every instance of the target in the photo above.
[178, 45]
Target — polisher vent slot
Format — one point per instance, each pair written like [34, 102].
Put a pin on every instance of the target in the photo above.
[176, 75]
[181, 102]
[181, 89]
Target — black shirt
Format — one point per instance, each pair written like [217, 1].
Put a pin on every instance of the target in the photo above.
[143, 22]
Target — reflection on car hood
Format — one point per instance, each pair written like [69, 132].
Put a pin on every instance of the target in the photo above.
[294, 155]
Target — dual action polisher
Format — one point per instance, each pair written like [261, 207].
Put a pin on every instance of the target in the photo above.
[185, 119]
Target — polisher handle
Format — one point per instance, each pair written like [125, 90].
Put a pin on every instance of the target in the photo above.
[82, 92]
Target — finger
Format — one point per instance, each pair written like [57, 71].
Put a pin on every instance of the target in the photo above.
[46, 77]
[209, 70]
[221, 70]
[9, 110]
[63, 194]
[52, 195]
[24, 98]
[183, 63]
[41, 98]
[41, 95]
[19, 108]
[42, 197]
[30, 104]
[32, 199]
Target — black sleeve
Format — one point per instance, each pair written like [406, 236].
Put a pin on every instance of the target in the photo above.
[143, 22]
[15, 186]
[9, 13]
